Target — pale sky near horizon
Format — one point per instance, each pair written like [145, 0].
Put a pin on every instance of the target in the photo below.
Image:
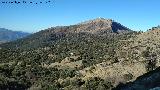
[135, 14]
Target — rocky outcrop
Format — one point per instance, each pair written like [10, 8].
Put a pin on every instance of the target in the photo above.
[148, 81]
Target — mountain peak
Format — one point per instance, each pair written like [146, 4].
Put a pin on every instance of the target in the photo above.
[97, 20]
[101, 24]
[102, 19]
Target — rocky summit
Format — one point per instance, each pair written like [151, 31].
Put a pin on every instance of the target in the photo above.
[99, 25]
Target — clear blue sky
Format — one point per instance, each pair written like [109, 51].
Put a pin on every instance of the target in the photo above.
[135, 14]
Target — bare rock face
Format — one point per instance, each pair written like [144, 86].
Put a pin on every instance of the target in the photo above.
[100, 25]
[148, 81]
[95, 26]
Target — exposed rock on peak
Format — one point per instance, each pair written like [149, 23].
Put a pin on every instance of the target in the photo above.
[97, 20]
[101, 24]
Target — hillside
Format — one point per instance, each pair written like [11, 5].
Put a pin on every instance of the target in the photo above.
[97, 54]
[8, 35]
[146, 46]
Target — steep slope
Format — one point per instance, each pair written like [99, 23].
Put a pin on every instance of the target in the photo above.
[148, 81]
[8, 35]
[145, 48]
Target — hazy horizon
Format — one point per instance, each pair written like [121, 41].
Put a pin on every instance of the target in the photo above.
[136, 15]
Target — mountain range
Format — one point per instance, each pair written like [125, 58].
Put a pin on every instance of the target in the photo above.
[8, 35]
[99, 54]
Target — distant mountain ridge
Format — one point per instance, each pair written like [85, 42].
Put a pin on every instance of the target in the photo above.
[9, 35]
